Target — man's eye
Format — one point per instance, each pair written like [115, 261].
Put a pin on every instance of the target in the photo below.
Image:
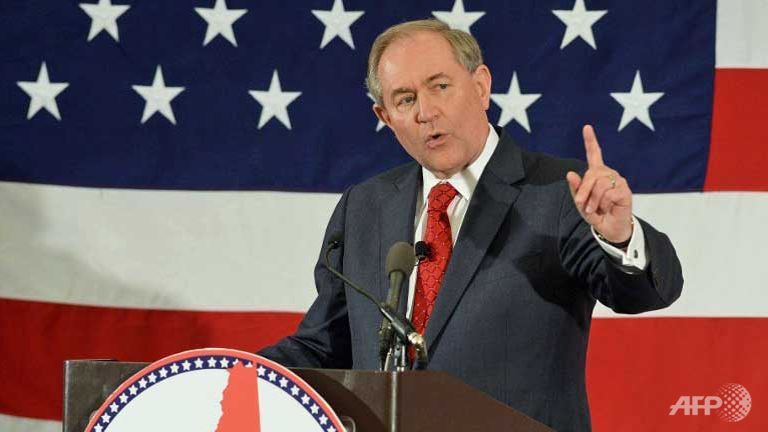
[442, 86]
[406, 100]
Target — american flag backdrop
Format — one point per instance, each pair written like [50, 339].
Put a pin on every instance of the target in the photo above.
[167, 169]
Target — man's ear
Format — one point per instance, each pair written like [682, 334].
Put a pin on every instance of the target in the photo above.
[381, 114]
[482, 78]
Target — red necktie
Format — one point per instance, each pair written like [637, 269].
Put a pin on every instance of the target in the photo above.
[431, 271]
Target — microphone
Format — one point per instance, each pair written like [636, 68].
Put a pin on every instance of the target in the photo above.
[399, 265]
[401, 325]
[422, 251]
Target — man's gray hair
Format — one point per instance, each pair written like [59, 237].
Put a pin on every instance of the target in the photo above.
[464, 45]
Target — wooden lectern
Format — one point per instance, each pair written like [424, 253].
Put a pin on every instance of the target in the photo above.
[375, 401]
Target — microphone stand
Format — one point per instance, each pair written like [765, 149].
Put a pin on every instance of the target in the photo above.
[406, 334]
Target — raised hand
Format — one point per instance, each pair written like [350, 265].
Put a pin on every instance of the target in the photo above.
[602, 196]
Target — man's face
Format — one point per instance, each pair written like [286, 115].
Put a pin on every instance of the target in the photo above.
[435, 107]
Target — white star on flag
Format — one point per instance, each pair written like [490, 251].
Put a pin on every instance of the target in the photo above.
[152, 377]
[123, 398]
[305, 399]
[283, 382]
[380, 124]
[260, 370]
[314, 408]
[143, 383]
[113, 407]
[186, 365]
[163, 372]
[272, 376]
[579, 23]
[636, 103]
[224, 363]
[98, 428]
[42, 93]
[106, 418]
[174, 368]
[514, 104]
[133, 390]
[337, 22]
[198, 363]
[158, 97]
[220, 20]
[104, 16]
[295, 390]
[274, 102]
[211, 362]
[458, 18]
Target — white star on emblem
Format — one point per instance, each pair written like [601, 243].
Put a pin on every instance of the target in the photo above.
[106, 418]
[98, 428]
[220, 20]
[272, 376]
[143, 383]
[274, 102]
[514, 104]
[163, 372]
[337, 22]
[158, 97]
[578, 22]
[294, 390]
[211, 362]
[636, 103]
[123, 398]
[114, 407]
[152, 377]
[104, 16]
[42, 93]
[260, 370]
[186, 365]
[198, 363]
[331, 429]
[235, 362]
[283, 382]
[249, 364]
[174, 368]
[224, 363]
[380, 124]
[458, 18]
[314, 408]
[305, 399]
[323, 419]
[133, 390]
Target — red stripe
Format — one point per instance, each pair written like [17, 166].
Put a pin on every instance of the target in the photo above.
[36, 338]
[639, 367]
[738, 154]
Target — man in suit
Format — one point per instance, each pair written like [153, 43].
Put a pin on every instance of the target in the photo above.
[521, 245]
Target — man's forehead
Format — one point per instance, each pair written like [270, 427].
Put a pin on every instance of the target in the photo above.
[417, 58]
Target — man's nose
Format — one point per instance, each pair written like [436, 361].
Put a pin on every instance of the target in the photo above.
[428, 109]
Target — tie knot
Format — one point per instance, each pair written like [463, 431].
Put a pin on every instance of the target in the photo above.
[441, 196]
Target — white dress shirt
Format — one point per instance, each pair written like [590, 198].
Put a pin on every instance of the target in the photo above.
[465, 182]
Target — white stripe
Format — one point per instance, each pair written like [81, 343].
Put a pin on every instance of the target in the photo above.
[256, 250]
[742, 34]
[161, 249]
[22, 424]
[720, 238]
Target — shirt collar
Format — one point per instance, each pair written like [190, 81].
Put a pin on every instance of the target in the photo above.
[465, 180]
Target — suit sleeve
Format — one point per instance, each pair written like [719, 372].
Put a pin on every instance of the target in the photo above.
[658, 286]
[323, 337]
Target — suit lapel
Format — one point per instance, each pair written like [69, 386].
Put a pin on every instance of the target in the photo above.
[494, 195]
[395, 226]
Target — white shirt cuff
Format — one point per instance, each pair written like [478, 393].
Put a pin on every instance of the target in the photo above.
[635, 254]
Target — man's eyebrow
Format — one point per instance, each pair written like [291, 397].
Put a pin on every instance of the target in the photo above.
[401, 90]
[437, 76]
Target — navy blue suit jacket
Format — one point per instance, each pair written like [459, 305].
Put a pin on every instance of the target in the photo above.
[513, 314]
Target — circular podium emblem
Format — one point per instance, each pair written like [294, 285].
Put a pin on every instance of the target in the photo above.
[214, 390]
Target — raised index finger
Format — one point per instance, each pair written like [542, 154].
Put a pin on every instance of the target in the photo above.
[594, 154]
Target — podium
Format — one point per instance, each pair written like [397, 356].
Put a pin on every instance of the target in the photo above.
[374, 401]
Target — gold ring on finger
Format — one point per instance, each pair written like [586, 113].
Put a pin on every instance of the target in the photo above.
[613, 182]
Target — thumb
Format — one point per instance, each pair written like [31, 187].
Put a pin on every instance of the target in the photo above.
[574, 181]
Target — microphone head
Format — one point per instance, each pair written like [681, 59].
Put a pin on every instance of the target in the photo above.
[421, 250]
[401, 258]
[335, 240]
